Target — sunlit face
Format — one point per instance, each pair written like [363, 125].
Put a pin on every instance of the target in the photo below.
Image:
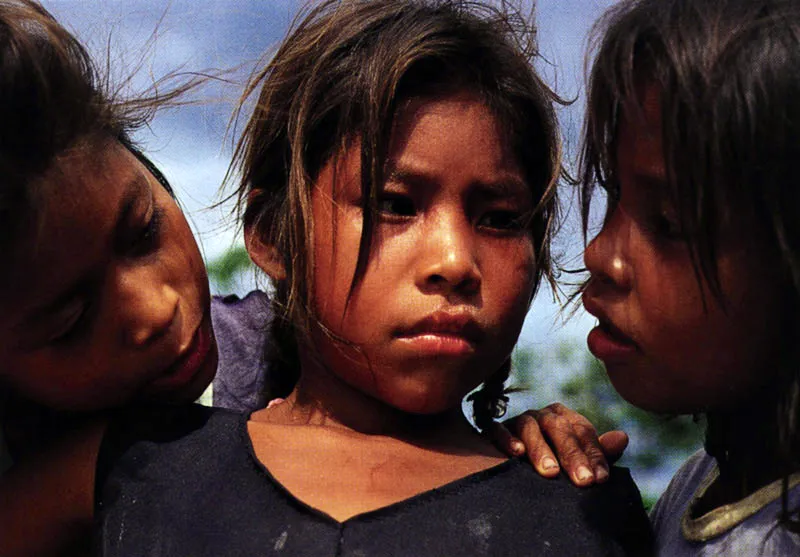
[663, 351]
[451, 271]
[111, 303]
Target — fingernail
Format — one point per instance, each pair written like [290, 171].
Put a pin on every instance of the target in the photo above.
[549, 463]
[517, 447]
[584, 474]
[601, 473]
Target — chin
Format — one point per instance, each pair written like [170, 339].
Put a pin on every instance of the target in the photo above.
[427, 403]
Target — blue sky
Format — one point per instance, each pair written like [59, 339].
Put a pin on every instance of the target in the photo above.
[189, 143]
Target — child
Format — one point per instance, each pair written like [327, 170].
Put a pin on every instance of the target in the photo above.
[104, 293]
[694, 132]
[398, 188]
[127, 314]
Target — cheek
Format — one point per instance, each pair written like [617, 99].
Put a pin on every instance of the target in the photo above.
[510, 274]
[335, 247]
[181, 256]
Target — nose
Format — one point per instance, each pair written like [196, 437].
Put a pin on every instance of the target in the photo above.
[148, 305]
[448, 262]
[606, 255]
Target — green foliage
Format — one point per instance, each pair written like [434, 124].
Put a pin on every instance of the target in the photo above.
[224, 270]
[586, 389]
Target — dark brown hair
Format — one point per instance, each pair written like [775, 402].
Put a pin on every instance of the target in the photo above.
[342, 74]
[53, 100]
[728, 77]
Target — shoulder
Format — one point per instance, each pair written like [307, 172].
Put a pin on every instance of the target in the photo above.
[253, 310]
[170, 480]
[672, 505]
[168, 425]
[162, 439]
[746, 527]
[575, 520]
[682, 488]
[241, 327]
[159, 448]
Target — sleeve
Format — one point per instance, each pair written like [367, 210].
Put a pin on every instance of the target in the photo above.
[241, 327]
[665, 514]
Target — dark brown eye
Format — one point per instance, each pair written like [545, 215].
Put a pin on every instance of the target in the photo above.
[666, 226]
[394, 205]
[72, 326]
[502, 220]
[147, 239]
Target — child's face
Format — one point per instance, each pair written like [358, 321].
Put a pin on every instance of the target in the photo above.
[111, 302]
[451, 271]
[663, 351]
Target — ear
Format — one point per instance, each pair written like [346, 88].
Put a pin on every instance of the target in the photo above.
[266, 256]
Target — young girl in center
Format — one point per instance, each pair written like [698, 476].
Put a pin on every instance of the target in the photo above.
[694, 133]
[398, 188]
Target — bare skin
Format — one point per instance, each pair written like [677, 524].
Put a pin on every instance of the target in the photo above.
[382, 469]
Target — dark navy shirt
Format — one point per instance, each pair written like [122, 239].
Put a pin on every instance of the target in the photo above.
[186, 482]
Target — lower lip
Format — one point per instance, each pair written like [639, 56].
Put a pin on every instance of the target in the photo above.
[182, 373]
[609, 348]
[438, 345]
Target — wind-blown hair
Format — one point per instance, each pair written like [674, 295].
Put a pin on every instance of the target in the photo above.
[728, 77]
[52, 101]
[342, 75]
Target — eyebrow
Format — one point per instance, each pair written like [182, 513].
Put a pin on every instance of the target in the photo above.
[132, 191]
[509, 185]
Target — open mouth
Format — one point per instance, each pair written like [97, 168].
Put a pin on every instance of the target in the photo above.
[609, 344]
[614, 334]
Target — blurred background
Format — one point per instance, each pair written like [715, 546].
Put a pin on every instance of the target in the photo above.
[192, 145]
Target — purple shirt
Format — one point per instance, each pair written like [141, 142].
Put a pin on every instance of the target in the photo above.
[241, 327]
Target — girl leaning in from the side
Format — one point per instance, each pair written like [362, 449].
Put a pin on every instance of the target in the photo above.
[398, 188]
[104, 297]
[694, 133]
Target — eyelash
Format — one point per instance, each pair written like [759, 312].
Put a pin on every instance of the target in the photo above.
[77, 325]
[514, 221]
[142, 244]
[387, 207]
[148, 238]
[399, 208]
[666, 227]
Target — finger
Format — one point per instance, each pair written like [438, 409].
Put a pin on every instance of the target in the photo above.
[502, 438]
[613, 444]
[587, 439]
[557, 425]
[539, 452]
[590, 444]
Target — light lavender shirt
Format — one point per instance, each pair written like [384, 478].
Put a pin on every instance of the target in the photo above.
[746, 528]
[241, 327]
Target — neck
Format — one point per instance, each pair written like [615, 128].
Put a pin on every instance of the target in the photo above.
[320, 398]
